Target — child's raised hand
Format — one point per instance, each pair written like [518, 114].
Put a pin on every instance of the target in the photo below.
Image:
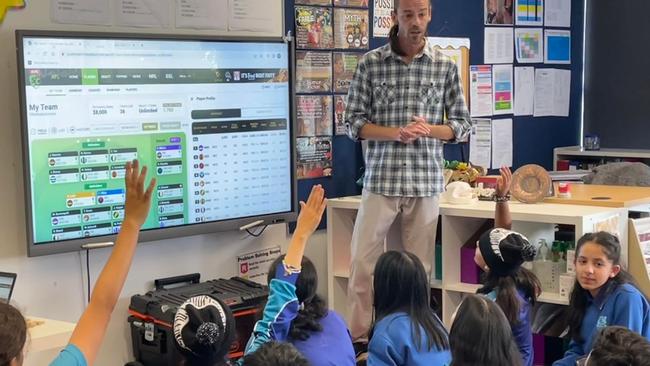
[138, 200]
[312, 211]
[503, 182]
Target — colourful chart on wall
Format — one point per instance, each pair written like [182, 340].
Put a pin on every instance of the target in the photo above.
[530, 12]
[529, 44]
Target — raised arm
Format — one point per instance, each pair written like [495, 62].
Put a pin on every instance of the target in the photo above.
[282, 305]
[308, 220]
[90, 329]
[502, 218]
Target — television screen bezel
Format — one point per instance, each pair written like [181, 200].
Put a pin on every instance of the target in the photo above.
[153, 234]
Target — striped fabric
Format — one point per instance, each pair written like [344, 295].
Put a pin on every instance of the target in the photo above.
[387, 92]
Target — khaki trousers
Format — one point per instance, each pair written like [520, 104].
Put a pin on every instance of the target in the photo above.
[415, 221]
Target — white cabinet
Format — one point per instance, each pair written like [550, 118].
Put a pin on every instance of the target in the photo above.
[459, 223]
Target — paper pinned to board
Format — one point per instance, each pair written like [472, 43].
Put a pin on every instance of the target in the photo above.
[142, 13]
[557, 46]
[202, 14]
[552, 92]
[480, 143]
[498, 45]
[481, 90]
[529, 12]
[91, 12]
[503, 89]
[501, 142]
[558, 13]
[530, 45]
[524, 91]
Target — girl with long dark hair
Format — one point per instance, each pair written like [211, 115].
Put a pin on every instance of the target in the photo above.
[406, 330]
[500, 253]
[480, 335]
[604, 294]
[314, 329]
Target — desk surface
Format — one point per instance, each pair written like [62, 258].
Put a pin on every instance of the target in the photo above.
[604, 196]
[50, 334]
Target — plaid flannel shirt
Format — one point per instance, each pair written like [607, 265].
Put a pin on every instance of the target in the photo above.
[388, 92]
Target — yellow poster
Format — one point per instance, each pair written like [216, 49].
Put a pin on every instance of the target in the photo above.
[6, 4]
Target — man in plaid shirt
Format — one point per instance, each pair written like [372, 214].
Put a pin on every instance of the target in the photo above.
[398, 101]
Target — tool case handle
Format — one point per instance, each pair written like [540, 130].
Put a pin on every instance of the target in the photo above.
[163, 283]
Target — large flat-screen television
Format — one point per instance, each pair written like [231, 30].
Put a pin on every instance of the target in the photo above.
[211, 118]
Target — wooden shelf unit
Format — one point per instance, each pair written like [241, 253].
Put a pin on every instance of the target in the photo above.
[458, 224]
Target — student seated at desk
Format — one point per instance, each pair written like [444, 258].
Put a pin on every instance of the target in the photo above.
[89, 332]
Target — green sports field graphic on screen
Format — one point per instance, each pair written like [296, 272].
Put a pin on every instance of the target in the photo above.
[78, 184]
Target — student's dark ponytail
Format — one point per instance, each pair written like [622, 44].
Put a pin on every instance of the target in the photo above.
[394, 40]
[312, 307]
[507, 297]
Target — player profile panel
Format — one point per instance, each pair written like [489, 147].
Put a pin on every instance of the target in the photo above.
[240, 168]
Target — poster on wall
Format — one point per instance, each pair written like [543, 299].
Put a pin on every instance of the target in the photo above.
[254, 266]
[357, 3]
[499, 12]
[529, 45]
[530, 12]
[314, 115]
[458, 50]
[351, 28]
[313, 2]
[481, 90]
[314, 27]
[314, 157]
[340, 103]
[345, 64]
[381, 19]
[314, 72]
[502, 90]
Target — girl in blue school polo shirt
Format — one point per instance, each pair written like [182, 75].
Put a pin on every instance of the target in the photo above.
[603, 295]
[406, 331]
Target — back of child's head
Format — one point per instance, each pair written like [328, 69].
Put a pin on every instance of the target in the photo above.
[481, 335]
[204, 330]
[619, 346]
[611, 249]
[312, 306]
[276, 354]
[401, 285]
[13, 334]
[504, 252]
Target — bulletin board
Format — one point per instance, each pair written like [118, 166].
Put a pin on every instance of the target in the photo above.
[533, 138]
